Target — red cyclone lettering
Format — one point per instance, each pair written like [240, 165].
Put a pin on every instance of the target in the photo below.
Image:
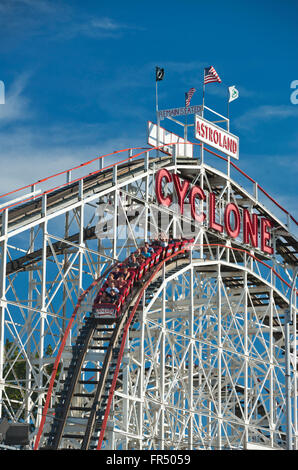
[250, 229]
[163, 173]
[232, 208]
[180, 190]
[266, 236]
[212, 223]
[196, 191]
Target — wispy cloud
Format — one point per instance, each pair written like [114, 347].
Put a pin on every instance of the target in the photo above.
[57, 21]
[96, 27]
[265, 113]
[29, 153]
[16, 105]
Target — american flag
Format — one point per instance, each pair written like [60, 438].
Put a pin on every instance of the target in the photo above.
[210, 75]
[188, 96]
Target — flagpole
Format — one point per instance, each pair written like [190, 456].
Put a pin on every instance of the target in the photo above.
[229, 158]
[157, 116]
[185, 128]
[202, 145]
[228, 121]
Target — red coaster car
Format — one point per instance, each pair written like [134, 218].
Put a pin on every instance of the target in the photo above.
[106, 310]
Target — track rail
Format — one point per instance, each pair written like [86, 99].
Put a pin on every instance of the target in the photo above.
[102, 398]
[84, 341]
[126, 328]
[59, 354]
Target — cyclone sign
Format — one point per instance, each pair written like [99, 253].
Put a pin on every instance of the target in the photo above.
[216, 137]
[255, 230]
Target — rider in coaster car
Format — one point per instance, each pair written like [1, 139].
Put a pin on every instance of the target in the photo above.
[155, 241]
[149, 248]
[111, 277]
[125, 273]
[113, 296]
[146, 253]
[141, 259]
[161, 241]
[104, 298]
[116, 273]
[164, 240]
[132, 262]
[121, 283]
[112, 288]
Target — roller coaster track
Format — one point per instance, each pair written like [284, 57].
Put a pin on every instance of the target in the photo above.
[113, 334]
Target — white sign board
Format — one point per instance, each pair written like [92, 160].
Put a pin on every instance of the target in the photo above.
[216, 137]
[180, 111]
[167, 138]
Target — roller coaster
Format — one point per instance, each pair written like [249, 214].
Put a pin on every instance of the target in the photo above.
[192, 352]
[108, 320]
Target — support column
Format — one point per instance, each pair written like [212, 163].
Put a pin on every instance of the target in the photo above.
[162, 366]
[142, 374]
[219, 359]
[115, 225]
[28, 401]
[43, 295]
[3, 303]
[190, 361]
[246, 359]
[81, 237]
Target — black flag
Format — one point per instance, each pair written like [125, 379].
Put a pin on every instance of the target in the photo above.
[159, 74]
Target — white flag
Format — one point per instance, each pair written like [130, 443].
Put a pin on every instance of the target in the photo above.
[233, 93]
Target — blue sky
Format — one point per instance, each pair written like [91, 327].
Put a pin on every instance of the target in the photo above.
[80, 80]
